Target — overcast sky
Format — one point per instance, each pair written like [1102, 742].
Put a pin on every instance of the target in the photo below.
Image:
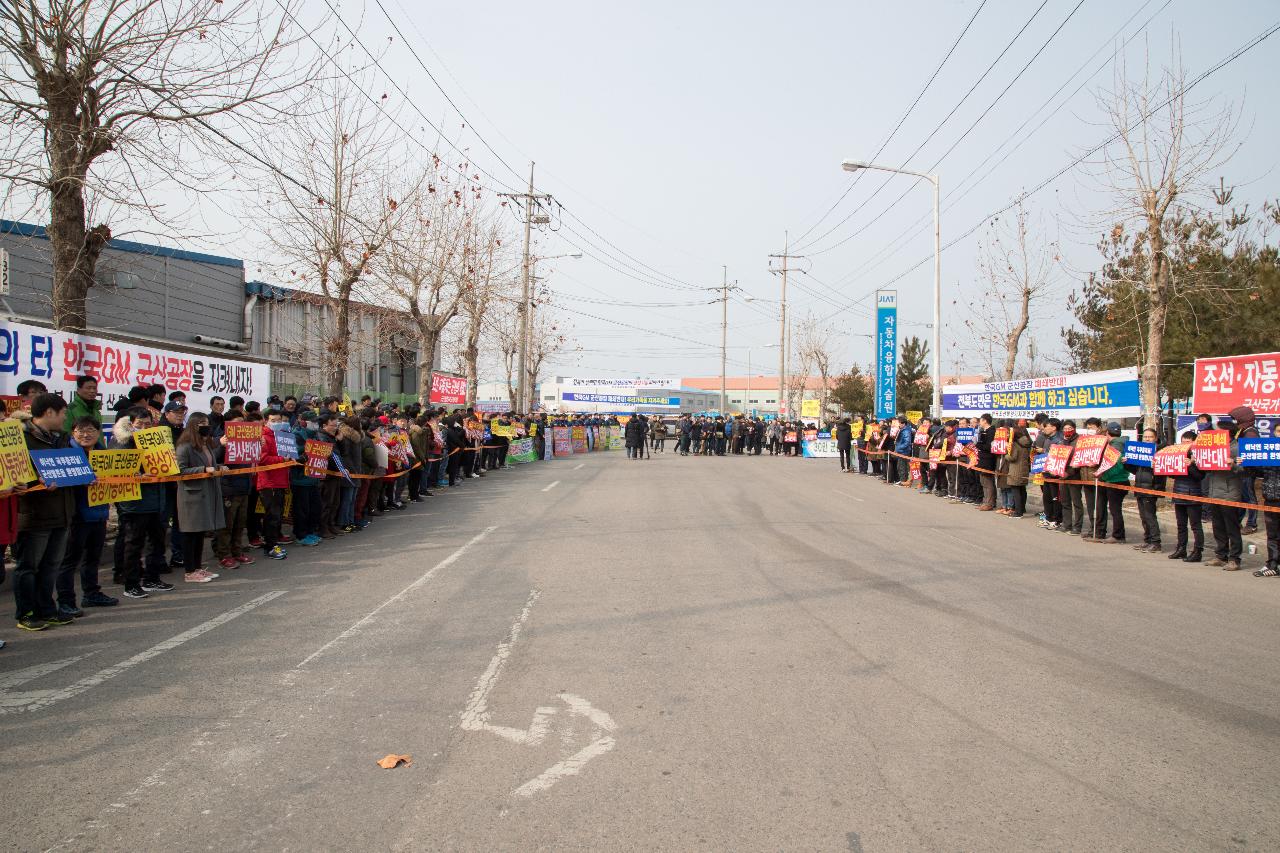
[694, 135]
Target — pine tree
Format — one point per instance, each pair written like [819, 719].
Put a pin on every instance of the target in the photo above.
[915, 390]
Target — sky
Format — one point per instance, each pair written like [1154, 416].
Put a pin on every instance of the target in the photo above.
[687, 139]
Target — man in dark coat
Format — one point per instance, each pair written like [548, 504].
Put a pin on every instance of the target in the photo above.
[844, 444]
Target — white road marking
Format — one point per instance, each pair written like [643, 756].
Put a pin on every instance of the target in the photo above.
[847, 495]
[579, 465]
[428, 575]
[475, 717]
[552, 486]
[111, 672]
[573, 765]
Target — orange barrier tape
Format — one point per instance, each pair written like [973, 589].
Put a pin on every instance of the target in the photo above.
[1122, 486]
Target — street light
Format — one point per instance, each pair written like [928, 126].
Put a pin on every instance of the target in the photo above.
[855, 166]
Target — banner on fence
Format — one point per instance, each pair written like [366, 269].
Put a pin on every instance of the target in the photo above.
[578, 438]
[819, 446]
[1106, 394]
[1220, 384]
[57, 358]
[562, 441]
[521, 450]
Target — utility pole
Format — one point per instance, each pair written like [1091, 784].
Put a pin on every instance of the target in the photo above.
[786, 256]
[529, 202]
[724, 335]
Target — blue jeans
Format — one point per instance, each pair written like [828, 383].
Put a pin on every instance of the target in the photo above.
[347, 506]
[39, 556]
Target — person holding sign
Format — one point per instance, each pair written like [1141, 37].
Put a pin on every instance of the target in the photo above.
[1111, 470]
[1144, 478]
[1271, 494]
[199, 500]
[272, 486]
[1219, 457]
[140, 520]
[1187, 512]
[44, 518]
[87, 536]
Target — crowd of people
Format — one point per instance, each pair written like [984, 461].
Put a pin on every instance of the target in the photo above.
[376, 458]
[713, 435]
[1088, 500]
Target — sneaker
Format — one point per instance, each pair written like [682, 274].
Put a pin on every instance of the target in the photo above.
[310, 541]
[229, 563]
[157, 586]
[347, 528]
[198, 576]
[31, 623]
[58, 619]
[177, 563]
[255, 542]
[361, 525]
[285, 539]
[70, 611]
[134, 592]
[98, 599]
[244, 559]
[277, 553]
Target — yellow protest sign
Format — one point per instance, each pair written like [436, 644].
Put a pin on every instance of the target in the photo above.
[15, 462]
[915, 416]
[158, 457]
[502, 430]
[810, 408]
[114, 463]
[867, 431]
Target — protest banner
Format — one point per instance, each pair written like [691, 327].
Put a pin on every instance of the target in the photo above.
[1111, 456]
[561, 441]
[1221, 384]
[1211, 450]
[317, 454]
[13, 404]
[1038, 463]
[790, 436]
[502, 430]
[1139, 453]
[616, 439]
[921, 438]
[57, 358]
[1088, 452]
[1259, 452]
[810, 408]
[63, 466]
[966, 435]
[1000, 443]
[971, 451]
[579, 439]
[341, 468]
[1106, 394]
[867, 431]
[448, 390]
[935, 456]
[1059, 456]
[114, 463]
[521, 450]
[15, 462]
[1170, 461]
[914, 465]
[158, 456]
[286, 441]
[818, 445]
[915, 416]
[244, 442]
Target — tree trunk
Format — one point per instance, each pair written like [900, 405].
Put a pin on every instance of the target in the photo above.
[75, 249]
[339, 347]
[1157, 316]
[1014, 342]
[471, 359]
[426, 359]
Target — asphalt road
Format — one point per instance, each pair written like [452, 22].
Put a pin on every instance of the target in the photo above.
[675, 654]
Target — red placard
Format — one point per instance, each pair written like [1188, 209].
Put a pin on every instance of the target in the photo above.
[1088, 451]
[1212, 450]
[1000, 444]
[1221, 384]
[935, 456]
[317, 454]
[13, 404]
[1059, 456]
[1171, 461]
[448, 390]
[244, 442]
[1110, 457]
[921, 439]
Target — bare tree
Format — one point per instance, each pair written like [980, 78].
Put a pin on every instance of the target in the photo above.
[1164, 149]
[548, 337]
[332, 242]
[434, 259]
[488, 284]
[1019, 272]
[815, 342]
[104, 98]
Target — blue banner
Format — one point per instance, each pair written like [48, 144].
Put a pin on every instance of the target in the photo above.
[1139, 453]
[286, 441]
[68, 466]
[886, 354]
[966, 435]
[1037, 463]
[1106, 394]
[624, 399]
[1254, 452]
[342, 469]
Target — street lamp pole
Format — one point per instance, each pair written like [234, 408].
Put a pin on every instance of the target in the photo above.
[854, 166]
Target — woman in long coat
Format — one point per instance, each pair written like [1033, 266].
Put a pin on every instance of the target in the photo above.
[200, 507]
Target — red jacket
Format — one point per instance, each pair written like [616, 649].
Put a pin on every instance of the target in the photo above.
[279, 478]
